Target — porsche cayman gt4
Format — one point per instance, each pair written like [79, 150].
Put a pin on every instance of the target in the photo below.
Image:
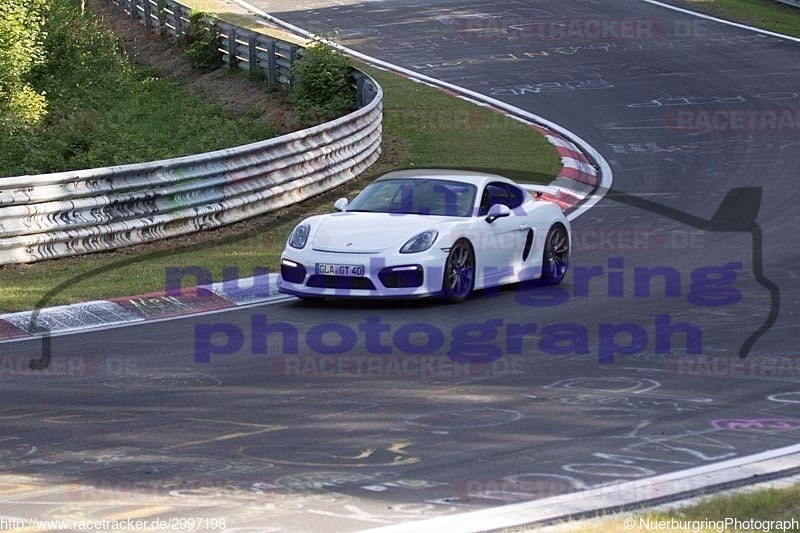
[427, 233]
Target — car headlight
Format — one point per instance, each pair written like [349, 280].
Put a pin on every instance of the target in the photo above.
[299, 236]
[420, 243]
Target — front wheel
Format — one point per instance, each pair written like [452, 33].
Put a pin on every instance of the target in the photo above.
[556, 255]
[459, 272]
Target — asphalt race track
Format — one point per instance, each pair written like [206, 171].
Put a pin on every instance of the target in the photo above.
[607, 378]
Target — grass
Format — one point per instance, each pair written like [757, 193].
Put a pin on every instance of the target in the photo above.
[767, 14]
[441, 130]
[169, 122]
[760, 505]
[422, 127]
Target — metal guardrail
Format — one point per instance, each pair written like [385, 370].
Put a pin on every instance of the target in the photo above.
[241, 48]
[69, 213]
[794, 3]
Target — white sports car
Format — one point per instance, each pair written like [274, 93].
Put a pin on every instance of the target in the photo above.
[427, 233]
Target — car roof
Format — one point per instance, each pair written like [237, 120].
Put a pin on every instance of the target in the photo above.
[465, 176]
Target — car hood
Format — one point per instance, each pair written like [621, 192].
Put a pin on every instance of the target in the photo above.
[370, 232]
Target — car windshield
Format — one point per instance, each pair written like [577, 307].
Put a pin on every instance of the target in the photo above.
[416, 196]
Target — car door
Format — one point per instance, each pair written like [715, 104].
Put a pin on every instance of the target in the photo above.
[499, 243]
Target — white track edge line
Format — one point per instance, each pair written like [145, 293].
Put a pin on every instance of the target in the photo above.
[469, 519]
[722, 21]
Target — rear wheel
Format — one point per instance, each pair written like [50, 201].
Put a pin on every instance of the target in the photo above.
[459, 272]
[556, 255]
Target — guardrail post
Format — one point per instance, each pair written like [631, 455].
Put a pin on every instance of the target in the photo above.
[148, 23]
[272, 64]
[232, 61]
[365, 90]
[360, 100]
[292, 56]
[177, 12]
[162, 17]
[252, 55]
[370, 91]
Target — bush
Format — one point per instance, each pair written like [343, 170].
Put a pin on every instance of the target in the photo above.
[322, 89]
[201, 44]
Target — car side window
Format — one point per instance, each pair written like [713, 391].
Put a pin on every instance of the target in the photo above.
[499, 193]
[494, 193]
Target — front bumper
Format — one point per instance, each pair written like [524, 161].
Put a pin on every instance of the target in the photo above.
[393, 276]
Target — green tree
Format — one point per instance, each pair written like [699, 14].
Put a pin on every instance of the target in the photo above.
[21, 39]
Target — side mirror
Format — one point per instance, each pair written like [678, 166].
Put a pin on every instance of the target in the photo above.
[497, 211]
[341, 204]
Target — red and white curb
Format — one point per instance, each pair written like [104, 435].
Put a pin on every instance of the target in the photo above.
[578, 178]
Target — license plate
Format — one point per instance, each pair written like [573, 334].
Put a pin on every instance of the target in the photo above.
[329, 269]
